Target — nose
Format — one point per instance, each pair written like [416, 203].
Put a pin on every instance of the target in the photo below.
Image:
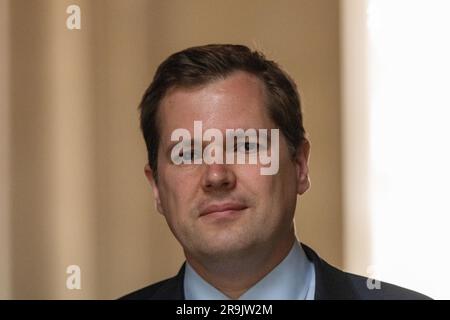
[218, 177]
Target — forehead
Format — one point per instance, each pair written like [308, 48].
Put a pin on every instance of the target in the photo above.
[238, 101]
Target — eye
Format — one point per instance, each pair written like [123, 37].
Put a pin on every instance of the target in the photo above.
[190, 154]
[247, 147]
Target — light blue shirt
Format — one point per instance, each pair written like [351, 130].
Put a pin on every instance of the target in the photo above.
[292, 279]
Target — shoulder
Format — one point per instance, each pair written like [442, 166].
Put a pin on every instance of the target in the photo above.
[332, 283]
[371, 289]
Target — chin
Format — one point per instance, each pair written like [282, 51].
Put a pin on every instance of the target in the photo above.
[226, 248]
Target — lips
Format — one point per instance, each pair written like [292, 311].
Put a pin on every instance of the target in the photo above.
[223, 207]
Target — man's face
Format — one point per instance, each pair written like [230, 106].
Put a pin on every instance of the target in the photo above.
[225, 210]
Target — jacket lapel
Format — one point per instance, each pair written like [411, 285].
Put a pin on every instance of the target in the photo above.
[173, 289]
[331, 283]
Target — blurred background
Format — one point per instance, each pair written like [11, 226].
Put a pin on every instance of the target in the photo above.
[374, 80]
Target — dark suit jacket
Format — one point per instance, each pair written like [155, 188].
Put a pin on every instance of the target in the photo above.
[331, 284]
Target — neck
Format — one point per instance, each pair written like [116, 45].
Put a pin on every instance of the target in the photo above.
[234, 277]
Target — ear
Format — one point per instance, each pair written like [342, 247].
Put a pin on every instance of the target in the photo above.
[301, 163]
[149, 174]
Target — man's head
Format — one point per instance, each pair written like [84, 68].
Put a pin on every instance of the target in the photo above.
[197, 66]
[224, 210]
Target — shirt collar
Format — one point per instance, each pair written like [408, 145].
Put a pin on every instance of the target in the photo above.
[292, 279]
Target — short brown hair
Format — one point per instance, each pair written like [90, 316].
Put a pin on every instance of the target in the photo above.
[203, 64]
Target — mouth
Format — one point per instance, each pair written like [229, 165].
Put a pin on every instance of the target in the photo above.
[222, 210]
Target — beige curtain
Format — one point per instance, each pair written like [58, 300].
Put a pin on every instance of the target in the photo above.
[72, 186]
[355, 136]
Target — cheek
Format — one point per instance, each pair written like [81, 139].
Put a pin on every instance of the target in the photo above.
[174, 204]
[279, 191]
[260, 188]
[283, 182]
[177, 190]
[287, 183]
